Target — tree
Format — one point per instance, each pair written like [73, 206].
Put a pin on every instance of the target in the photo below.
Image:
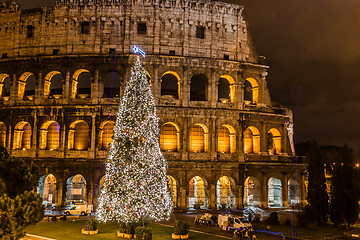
[135, 185]
[344, 197]
[19, 205]
[317, 195]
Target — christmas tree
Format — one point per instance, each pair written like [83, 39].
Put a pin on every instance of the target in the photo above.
[135, 185]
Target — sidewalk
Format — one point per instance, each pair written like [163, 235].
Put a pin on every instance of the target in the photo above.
[34, 237]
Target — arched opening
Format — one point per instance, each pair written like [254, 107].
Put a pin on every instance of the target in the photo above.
[5, 81]
[226, 139]
[251, 91]
[26, 86]
[47, 189]
[79, 136]
[198, 87]
[112, 85]
[81, 84]
[170, 85]
[226, 89]
[197, 193]
[106, 133]
[225, 198]
[293, 192]
[75, 189]
[172, 186]
[274, 192]
[22, 136]
[251, 140]
[169, 137]
[274, 141]
[251, 192]
[198, 138]
[2, 134]
[50, 136]
[53, 84]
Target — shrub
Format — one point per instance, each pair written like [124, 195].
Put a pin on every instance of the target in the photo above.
[273, 219]
[122, 227]
[92, 226]
[143, 233]
[181, 227]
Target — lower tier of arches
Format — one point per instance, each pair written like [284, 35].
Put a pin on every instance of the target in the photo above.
[192, 186]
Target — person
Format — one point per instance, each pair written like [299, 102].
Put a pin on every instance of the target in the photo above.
[236, 234]
[246, 234]
[253, 237]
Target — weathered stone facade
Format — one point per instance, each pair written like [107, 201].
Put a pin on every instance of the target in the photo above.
[186, 39]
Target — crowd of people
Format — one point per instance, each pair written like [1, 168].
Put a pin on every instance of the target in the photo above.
[244, 233]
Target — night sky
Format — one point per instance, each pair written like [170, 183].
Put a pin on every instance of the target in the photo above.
[314, 44]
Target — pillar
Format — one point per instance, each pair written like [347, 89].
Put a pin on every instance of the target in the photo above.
[263, 139]
[284, 190]
[95, 87]
[263, 191]
[211, 192]
[66, 90]
[185, 87]
[93, 137]
[60, 196]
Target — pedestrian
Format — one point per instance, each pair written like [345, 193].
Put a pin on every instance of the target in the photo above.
[236, 234]
[254, 237]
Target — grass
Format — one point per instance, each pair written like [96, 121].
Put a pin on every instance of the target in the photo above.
[64, 230]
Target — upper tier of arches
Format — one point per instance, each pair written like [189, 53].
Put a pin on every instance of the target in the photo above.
[172, 86]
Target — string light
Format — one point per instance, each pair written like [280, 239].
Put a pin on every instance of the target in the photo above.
[135, 185]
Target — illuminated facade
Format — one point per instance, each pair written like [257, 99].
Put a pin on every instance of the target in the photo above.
[60, 87]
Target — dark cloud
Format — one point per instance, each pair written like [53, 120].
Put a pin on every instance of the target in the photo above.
[314, 44]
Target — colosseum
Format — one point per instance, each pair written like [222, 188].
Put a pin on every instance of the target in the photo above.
[63, 70]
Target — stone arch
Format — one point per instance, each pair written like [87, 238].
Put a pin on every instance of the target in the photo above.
[22, 136]
[251, 192]
[199, 138]
[75, 189]
[4, 85]
[199, 87]
[79, 135]
[53, 85]
[274, 141]
[98, 189]
[274, 192]
[50, 136]
[170, 137]
[251, 91]
[3, 132]
[81, 85]
[226, 139]
[225, 197]
[47, 189]
[251, 140]
[293, 192]
[226, 89]
[170, 84]
[198, 193]
[105, 134]
[172, 186]
[112, 82]
[26, 86]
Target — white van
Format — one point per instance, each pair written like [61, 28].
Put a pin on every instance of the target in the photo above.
[227, 222]
[82, 209]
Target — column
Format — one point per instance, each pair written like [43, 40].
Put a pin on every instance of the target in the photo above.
[95, 87]
[13, 90]
[263, 139]
[211, 191]
[284, 190]
[185, 87]
[66, 88]
[212, 89]
[284, 137]
[38, 89]
[263, 191]
[60, 187]
[34, 133]
[93, 136]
